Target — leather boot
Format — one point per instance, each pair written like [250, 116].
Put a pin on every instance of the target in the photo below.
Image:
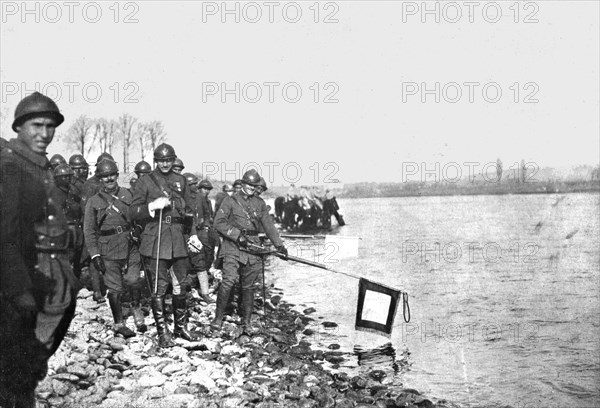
[114, 300]
[96, 284]
[181, 319]
[247, 306]
[138, 315]
[164, 335]
[222, 301]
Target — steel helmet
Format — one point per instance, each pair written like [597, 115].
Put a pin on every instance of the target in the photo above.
[56, 160]
[262, 183]
[164, 152]
[77, 161]
[178, 163]
[106, 167]
[36, 105]
[205, 184]
[237, 183]
[251, 177]
[142, 167]
[227, 187]
[104, 156]
[190, 178]
[63, 169]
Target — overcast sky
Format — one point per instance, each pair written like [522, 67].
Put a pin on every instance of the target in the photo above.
[371, 60]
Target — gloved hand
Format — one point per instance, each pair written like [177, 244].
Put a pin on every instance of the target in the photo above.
[136, 233]
[158, 204]
[194, 244]
[282, 250]
[242, 241]
[99, 264]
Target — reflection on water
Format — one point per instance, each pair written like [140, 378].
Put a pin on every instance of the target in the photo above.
[504, 294]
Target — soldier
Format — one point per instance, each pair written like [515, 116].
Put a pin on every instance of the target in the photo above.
[57, 159]
[261, 187]
[91, 188]
[165, 193]
[227, 191]
[237, 185]
[178, 166]
[80, 166]
[70, 203]
[206, 232]
[142, 168]
[38, 290]
[199, 260]
[238, 221]
[108, 237]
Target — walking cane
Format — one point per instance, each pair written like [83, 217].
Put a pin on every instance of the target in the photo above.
[158, 251]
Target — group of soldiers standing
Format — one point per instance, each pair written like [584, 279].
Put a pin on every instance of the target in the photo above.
[55, 221]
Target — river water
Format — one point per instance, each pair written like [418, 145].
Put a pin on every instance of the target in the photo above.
[504, 294]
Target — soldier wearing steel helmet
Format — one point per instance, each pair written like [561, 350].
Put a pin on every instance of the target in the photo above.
[81, 170]
[238, 221]
[89, 189]
[38, 290]
[165, 193]
[178, 165]
[227, 190]
[70, 202]
[57, 159]
[108, 238]
[237, 185]
[142, 168]
[198, 260]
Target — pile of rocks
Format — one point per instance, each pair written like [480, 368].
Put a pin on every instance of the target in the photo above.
[274, 368]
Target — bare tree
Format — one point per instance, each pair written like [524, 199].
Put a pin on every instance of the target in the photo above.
[106, 130]
[499, 170]
[151, 134]
[126, 127]
[79, 135]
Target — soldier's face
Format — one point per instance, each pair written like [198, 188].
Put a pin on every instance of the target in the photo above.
[110, 181]
[63, 181]
[37, 133]
[82, 173]
[177, 170]
[248, 189]
[164, 166]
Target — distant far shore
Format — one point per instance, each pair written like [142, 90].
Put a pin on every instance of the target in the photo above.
[415, 189]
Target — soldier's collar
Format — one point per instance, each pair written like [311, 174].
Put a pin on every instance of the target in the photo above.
[22, 149]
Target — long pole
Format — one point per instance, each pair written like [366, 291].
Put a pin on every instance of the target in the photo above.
[158, 251]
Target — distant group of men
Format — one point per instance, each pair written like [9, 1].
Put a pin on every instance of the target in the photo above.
[55, 221]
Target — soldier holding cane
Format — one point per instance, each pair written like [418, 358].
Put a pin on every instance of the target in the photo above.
[161, 202]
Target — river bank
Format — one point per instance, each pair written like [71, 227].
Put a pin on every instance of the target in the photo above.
[275, 368]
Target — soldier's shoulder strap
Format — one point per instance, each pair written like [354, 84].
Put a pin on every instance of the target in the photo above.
[110, 201]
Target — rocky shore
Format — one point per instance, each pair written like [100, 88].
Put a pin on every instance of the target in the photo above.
[277, 367]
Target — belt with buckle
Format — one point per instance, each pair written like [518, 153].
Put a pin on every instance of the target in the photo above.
[249, 232]
[171, 220]
[119, 229]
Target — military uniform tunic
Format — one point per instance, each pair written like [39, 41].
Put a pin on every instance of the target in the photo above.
[107, 229]
[30, 207]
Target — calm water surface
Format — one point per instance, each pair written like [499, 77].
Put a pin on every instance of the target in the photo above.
[504, 294]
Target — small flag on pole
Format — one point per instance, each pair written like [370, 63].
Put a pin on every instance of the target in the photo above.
[376, 309]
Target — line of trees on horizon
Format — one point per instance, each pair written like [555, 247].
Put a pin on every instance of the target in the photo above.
[124, 134]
